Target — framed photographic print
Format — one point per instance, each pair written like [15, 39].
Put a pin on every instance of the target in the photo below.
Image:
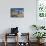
[17, 12]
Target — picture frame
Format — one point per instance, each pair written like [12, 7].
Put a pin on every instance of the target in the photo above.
[17, 12]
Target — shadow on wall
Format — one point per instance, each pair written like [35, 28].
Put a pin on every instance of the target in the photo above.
[7, 31]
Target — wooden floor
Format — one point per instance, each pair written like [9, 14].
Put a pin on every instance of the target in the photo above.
[13, 44]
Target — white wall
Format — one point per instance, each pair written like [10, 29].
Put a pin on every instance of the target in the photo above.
[24, 24]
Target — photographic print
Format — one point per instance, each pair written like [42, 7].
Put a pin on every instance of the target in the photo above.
[17, 12]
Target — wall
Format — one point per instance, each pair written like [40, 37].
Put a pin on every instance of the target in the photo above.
[24, 24]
